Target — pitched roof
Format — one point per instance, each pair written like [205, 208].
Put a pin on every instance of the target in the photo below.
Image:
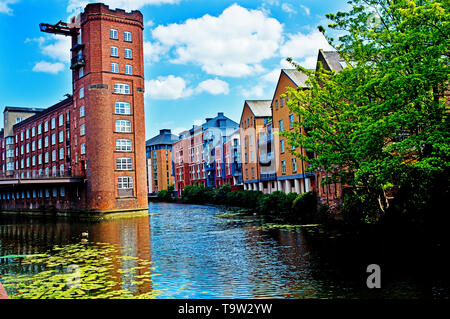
[260, 108]
[163, 138]
[334, 60]
[298, 77]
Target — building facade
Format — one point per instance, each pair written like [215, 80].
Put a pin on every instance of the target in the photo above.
[160, 169]
[202, 153]
[92, 144]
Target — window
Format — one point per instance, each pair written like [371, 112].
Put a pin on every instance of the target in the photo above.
[27, 134]
[281, 102]
[283, 167]
[124, 164]
[53, 123]
[19, 119]
[40, 159]
[21, 136]
[253, 172]
[124, 182]
[276, 104]
[53, 139]
[123, 126]
[123, 145]
[82, 111]
[81, 72]
[128, 54]
[121, 88]
[114, 52]
[294, 165]
[128, 69]
[246, 173]
[46, 157]
[61, 136]
[127, 36]
[28, 147]
[122, 108]
[282, 146]
[291, 121]
[61, 120]
[113, 34]
[61, 153]
[82, 130]
[81, 93]
[33, 161]
[39, 143]
[62, 190]
[114, 67]
[55, 191]
[281, 125]
[83, 148]
[33, 131]
[39, 129]
[53, 155]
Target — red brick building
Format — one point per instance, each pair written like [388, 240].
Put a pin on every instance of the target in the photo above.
[88, 151]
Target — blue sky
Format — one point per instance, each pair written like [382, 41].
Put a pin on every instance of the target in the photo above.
[201, 57]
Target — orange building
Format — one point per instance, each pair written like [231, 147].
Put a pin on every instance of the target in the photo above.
[291, 171]
[255, 114]
[160, 168]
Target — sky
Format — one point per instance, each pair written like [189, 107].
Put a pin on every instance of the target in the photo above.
[201, 57]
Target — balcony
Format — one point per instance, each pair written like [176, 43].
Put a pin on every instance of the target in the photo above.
[28, 177]
[266, 159]
[77, 62]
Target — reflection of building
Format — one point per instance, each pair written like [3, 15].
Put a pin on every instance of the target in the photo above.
[130, 235]
[86, 152]
[159, 161]
[200, 154]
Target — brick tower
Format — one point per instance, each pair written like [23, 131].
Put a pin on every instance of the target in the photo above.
[108, 130]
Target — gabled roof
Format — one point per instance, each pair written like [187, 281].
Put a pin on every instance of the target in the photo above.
[260, 108]
[163, 138]
[334, 61]
[296, 76]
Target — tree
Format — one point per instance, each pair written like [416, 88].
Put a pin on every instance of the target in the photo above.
[381, 125]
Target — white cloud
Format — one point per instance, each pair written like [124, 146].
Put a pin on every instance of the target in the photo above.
[121, 4]
[256, 91]
[167, 88]
[149, 23]
[232, 44]
[174, 87]
[47, 67]
[58, 49]
[4, 6]
[303, 47]
[153, 51]
[214, 87]
[286, 7]
[306, 9]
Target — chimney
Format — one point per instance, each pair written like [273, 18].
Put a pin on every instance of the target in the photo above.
[220, 114]
[165, 132]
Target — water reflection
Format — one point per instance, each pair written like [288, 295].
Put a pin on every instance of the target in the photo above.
[196, 254]
[25, 236]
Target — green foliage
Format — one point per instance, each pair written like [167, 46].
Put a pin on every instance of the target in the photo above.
[305, 207]
[165, 196]
[103, 271]
[381, 125]
[220, 197]
[275, 203]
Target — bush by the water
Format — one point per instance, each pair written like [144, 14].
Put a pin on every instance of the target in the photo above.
[302, 206]
[166, 195]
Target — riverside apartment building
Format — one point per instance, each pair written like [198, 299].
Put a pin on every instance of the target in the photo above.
[160, 169]
[208, 154]
[87, 152]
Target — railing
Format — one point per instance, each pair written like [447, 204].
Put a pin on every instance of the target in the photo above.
[33, 174]
[77, 62]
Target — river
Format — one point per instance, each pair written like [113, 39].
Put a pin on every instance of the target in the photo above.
[198, 252]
